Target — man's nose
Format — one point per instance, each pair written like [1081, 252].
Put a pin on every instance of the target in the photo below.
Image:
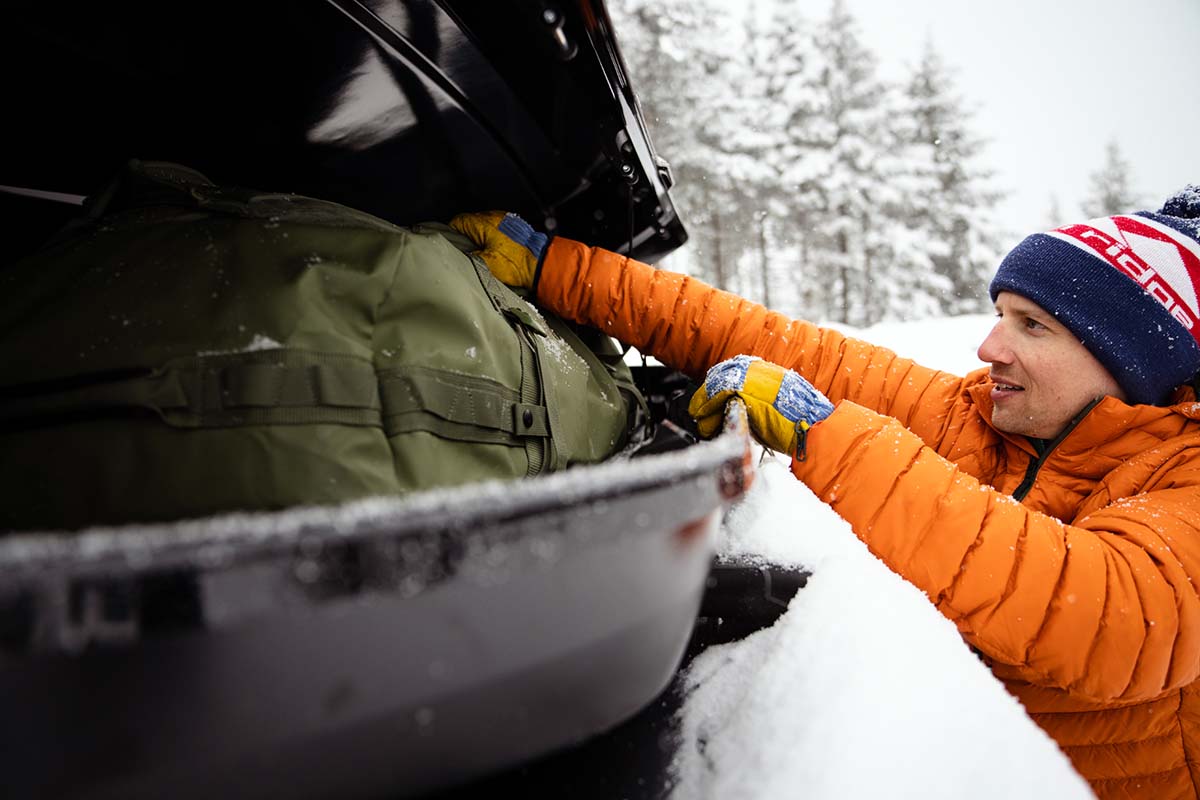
[993, 348]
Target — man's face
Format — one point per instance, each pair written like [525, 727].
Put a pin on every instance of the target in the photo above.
[1042, 375]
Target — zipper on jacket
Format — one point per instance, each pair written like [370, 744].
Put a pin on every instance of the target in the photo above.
[1044, 448]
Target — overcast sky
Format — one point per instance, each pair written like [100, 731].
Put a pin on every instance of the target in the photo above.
[1053, 81]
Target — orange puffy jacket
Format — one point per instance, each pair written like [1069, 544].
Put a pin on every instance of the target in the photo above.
[1081, 597]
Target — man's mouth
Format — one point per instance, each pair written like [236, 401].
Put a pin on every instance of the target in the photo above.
[1005, 387]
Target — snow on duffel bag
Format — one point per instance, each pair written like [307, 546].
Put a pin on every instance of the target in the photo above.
[188, 349]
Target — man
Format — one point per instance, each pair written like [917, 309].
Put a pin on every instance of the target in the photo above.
[1048, 505]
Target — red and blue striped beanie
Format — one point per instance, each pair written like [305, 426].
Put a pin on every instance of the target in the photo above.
[1128, 286]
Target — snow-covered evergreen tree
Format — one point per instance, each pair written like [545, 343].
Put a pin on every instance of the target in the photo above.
[1054, 215]
[736, 139]
[686, 63]
[1111, 186]
[838, 157]
[949, 204]
[805, 180]
[778, 46]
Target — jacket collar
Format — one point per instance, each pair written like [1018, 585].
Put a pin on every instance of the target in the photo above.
[1105, 422]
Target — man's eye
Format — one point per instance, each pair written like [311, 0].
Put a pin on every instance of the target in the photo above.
[1034, 325]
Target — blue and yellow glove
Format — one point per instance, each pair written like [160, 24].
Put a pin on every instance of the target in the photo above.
[780, 405]
[509, 245]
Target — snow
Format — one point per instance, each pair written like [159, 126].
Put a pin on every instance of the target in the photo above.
[258, 343]
[728, 376]
[861, 689]
[946, 343]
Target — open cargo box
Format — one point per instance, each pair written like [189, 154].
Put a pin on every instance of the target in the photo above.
[387, 648]
[383, 648]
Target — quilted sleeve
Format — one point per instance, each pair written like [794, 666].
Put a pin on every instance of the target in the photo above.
[690, 326]
[1104, 607]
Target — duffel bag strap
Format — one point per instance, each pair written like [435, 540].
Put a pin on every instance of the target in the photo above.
[530, 331]
[265, 387]
[466, 408]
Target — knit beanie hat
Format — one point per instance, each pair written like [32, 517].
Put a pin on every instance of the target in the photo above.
[1128, 286]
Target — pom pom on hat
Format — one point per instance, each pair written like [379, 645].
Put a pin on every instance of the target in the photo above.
[1128, 286]
[1185, 204]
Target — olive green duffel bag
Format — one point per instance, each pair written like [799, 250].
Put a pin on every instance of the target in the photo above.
[189, 349]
